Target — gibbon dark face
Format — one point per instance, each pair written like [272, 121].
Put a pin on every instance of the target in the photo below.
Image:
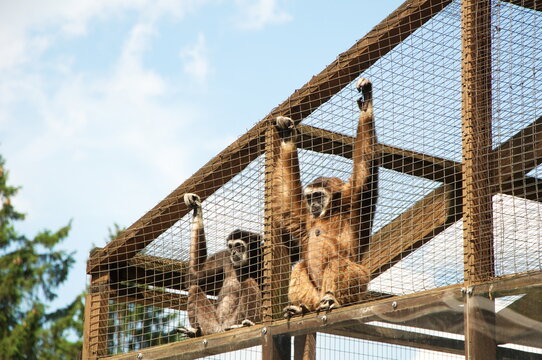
[317, 201]
[238, 252]
[320, 193]
[242, 245]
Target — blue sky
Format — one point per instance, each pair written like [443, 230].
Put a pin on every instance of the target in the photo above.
[107, 106]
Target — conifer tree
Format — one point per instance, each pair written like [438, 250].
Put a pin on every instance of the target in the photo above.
[31, 270]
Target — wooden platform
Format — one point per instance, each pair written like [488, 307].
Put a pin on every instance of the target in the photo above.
[441, 310]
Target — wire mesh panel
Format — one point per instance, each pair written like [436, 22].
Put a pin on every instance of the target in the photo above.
[134, 327]
[517, 107]
[378, 179]
[417, 115]
[174, 270]
[343, 348]
[253, 353]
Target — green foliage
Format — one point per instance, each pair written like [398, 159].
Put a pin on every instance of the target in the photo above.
[31, 269]
[133, 327]
[62, 337]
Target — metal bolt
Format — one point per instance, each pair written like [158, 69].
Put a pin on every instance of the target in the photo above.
[264, 331]
[324, 319]
[394, 304]
[463, 290]
[469, 291]
[204, 342]
[139, 356]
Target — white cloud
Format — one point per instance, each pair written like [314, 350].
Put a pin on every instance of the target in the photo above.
[255, 14]
[22, 21]
[196, 61]
[81, 122]
[131, 79]
[85, 128]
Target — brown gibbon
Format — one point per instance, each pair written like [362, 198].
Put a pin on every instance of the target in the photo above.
[233, 273]
[330, 220]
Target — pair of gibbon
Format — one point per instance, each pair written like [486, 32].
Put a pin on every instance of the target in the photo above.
[326, 226]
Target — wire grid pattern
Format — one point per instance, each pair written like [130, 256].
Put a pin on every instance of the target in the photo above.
[517, 104]
[238, 204]
[416, 90]
[417, 106]
[344, 348]
[137, 325]
[516, 84]
[253, 353]
[134, 327]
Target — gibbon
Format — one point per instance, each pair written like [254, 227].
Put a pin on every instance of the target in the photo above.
[235, 272]
[329, 220]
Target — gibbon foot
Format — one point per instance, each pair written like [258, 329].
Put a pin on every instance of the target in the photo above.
[189, 331]
[247, 322]
[365, 87]
[328, 303]
[243, 323]
[286, 128]
[193, 201]
[293, 310]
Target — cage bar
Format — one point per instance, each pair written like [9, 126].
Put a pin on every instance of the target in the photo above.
[477, 176]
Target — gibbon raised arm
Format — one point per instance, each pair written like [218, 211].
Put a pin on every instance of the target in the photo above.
[329, 220]
[235, 271]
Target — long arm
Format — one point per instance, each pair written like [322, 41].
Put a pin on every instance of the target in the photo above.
[363, 186]
[205, 271]
[287, 199]
[198, 244]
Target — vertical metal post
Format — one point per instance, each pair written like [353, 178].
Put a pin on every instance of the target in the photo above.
[477, 176]
[276, 267]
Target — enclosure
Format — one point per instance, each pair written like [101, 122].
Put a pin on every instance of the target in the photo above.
[455, 252]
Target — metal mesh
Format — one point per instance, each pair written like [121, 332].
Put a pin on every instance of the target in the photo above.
[342, 348]
[431, 234]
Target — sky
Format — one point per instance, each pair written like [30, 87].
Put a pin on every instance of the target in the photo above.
[106, 106]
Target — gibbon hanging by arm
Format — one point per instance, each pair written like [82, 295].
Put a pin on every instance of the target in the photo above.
[236, 271]
[330, 219]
